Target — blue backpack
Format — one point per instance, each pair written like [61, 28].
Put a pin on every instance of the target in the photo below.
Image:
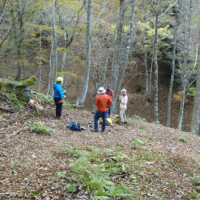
[75, 126]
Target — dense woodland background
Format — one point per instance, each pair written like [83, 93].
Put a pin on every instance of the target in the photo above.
[149, 47]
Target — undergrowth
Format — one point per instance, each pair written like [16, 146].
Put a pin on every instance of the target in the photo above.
[184, 139]
[116, 174]
[92, 169]
[39, 127]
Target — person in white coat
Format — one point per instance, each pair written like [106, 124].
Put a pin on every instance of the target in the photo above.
[123, 98]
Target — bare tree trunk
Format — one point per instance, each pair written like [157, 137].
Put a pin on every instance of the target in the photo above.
[81, 98]
[3, 10]
[40, 78]
[150, 78]
[64, 58]
[111, 45]
[126, 56]
[196, 109]
[156, 69]
[185, 80]
[55, 41]
[67, 79]
[173, 70]
[52, 67]
[147, 75]
[181, 112]
[50, 70]
[117, 52]
[19, 44]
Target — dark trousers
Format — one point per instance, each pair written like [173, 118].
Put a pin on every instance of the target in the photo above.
[96, 118]
[109, 110]
[58, 102]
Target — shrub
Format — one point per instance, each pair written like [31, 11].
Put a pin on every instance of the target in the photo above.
[39, 127]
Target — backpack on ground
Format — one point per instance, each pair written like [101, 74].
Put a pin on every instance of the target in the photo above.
[117, 119]
[34, 105]
[108, 121]
[75, 126]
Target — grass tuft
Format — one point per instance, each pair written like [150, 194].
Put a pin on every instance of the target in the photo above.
[39, 127]
[184, 139]
[138, 117]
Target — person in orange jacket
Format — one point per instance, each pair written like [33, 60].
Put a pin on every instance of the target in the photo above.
[103, 101]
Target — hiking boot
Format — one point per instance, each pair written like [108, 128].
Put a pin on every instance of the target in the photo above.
[103, 131]
[59, 117]
[95, 130]
[121, 123]
[125, 122]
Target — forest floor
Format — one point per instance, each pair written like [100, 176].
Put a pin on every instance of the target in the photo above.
[137, 161]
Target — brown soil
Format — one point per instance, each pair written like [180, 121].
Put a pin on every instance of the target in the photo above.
[29, 161]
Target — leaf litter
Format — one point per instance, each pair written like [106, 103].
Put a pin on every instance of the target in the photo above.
[151, 163]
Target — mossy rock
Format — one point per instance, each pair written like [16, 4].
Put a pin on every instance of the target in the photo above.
[4, 86]
[7, 85]
[30, 82]
[15, 92]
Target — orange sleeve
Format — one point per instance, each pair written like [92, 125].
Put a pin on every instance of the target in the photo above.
[97, 102]
[109, 102]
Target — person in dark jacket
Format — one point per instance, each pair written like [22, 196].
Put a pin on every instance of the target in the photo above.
[110, 93]
[58, 95]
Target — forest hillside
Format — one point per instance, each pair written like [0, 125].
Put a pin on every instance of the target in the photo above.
[42, 159]
[151, 48]
[57, 56]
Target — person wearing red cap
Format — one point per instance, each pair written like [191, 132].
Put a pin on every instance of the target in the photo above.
[110, 93]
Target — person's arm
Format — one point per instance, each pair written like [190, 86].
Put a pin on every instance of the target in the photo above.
[109, 102]
[124, 101]
[60, 91]
[120, 98]
[97, 102]
[112, 94]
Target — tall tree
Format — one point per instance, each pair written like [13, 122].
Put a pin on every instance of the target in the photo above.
[117, 52]
[55, 57]
[127, 53]
[82, 96]
[185, 73]
[159, 7]
[20, 8]
[196, 109]
[177, 14]
[40, 51]
[112, 43]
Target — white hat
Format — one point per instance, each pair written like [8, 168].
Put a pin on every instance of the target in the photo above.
[101, 90]
[123, 91]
